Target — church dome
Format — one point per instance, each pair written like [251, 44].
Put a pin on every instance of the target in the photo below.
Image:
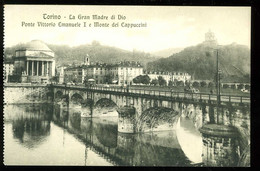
[36, 45]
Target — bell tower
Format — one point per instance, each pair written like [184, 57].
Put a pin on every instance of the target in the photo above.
[86, 60]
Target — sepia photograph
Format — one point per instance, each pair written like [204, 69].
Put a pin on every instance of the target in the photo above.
[96, 85]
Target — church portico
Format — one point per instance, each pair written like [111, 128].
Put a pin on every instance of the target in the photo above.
[39, 68]
[35, 61]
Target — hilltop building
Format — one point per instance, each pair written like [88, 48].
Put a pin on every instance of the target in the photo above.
[210, 39]
[34, 62]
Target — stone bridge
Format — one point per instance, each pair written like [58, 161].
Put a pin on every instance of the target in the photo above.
[225, 126]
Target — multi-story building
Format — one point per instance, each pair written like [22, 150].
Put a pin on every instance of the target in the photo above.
[121, 73]
[74, 74]
[8, 70]
[170, 76]
[125, 72]
[60, 74]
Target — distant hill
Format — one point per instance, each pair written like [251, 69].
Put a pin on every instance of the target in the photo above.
[167, 52]
[65, 54]
[200, 62]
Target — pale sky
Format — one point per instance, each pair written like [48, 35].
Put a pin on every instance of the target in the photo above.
[167, 26]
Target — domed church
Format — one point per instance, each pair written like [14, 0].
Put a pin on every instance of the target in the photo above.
[34, 62]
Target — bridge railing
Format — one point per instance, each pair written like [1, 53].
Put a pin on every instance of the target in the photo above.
[170, 94]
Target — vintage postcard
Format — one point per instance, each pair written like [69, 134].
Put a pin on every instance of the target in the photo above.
[88, 85]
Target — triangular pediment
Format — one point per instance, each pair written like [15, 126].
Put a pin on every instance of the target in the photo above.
[40, 54]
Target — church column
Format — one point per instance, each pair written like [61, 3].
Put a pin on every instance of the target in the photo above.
[32, 68]
[42, 68]
[37, 70]
[47, 68]
[27, 67]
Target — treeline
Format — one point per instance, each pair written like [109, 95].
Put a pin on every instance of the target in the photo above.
[160, 81]
[200, 62]
[65, 54]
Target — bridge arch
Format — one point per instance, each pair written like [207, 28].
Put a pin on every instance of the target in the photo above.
[58, 96]
[157, 119]
[76, 99]
[105, 107]
[105, 102]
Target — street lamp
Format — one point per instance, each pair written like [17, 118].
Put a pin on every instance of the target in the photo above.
[218, 71]
[218, 79]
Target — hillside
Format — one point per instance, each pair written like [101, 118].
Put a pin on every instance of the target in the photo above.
[65, 54]
[167, 52]
[200, 62]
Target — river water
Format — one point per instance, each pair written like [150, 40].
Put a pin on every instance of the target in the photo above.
[45, 134]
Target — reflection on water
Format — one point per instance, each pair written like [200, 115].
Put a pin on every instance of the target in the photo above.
[50, 135]
[190, 140]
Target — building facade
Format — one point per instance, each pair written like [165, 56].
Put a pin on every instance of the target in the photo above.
[121, 73]
[34, 62]
[125, 72]
[8, 70]
[169, 76]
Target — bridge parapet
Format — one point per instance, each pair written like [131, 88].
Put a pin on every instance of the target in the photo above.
[164, 95]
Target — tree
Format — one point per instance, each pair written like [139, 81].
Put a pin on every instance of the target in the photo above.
[241, 86]
[187, 83]
[211, 85]
[196, 84]
[180, 83]
[203, 84]
[233, 86]
[225, 86]
[162, 81]
[247, 87]
[108, 78]
[175, 81]
[154, 82]
[170, 83]
[86, 78]
[145, 79]
[137, 80]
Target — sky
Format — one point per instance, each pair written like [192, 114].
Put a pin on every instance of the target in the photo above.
[166, 26]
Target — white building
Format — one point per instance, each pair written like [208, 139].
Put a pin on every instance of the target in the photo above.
[169, 76]
[125, 72]
[8, 70]
[122, 73]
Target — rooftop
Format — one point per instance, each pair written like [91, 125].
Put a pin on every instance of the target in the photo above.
[105, 65]
[37, 45]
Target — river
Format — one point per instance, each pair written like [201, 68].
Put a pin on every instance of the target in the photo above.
[45, 134]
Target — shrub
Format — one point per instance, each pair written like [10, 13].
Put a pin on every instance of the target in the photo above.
[196, 84]
[203, 84]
